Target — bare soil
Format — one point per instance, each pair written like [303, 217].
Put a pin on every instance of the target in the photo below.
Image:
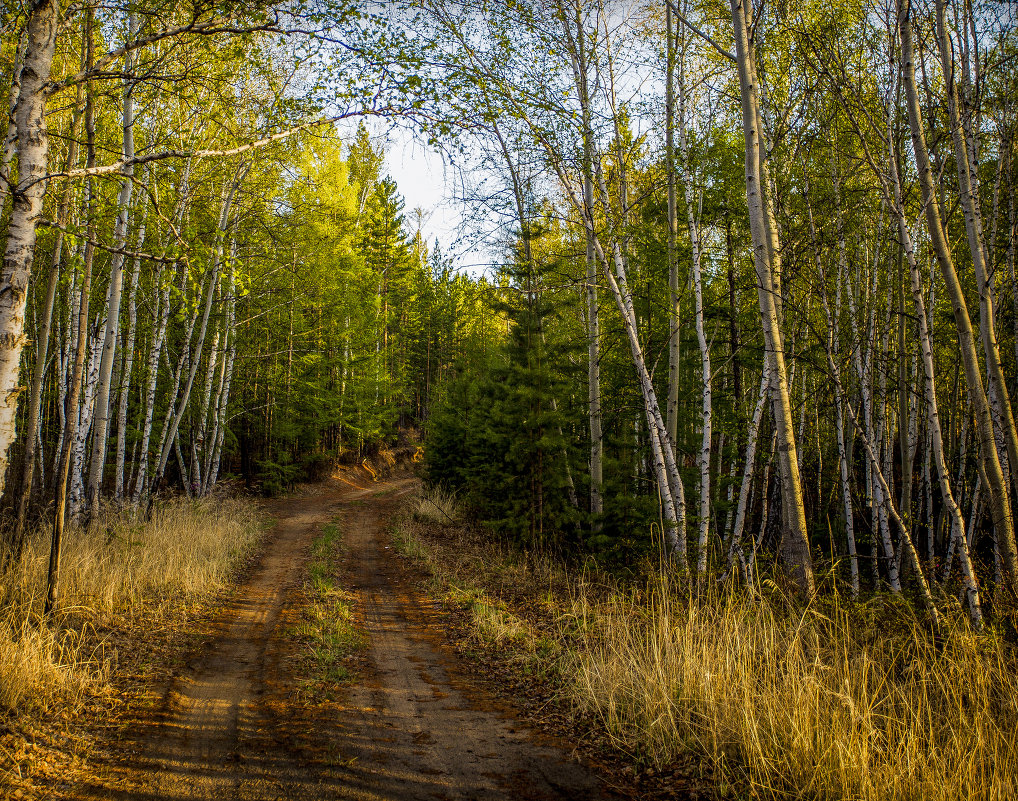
[412, 725]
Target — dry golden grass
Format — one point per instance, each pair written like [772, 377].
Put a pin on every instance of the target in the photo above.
[807, 706]
[437, 506]
[188, 551]
[831, 702]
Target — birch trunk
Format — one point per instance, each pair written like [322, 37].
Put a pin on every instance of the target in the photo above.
[997, 489]
[71, 419]
[795, 549]
[181, 404]
[968, 184]
[673, 229]
[26, 211]
[932, 413]
[701, 336]
[42, 344]
[112, 333]
[10, 146]
[579, 61]
[212, 471]
[160, 320]
[125, 382]
[833, 326]
[748, 469]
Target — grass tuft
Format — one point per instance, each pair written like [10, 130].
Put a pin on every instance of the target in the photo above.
[822, 703]
[187, 551]
[326, 629]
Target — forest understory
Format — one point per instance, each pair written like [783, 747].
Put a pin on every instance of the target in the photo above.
[703, 348]
[709, 695]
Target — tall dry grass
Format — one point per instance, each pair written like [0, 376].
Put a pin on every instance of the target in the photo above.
[815, 705]
[832, 702]
[186, 552]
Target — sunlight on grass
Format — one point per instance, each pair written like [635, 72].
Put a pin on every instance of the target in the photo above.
[327, 630]
[826, 702]
[188, 551]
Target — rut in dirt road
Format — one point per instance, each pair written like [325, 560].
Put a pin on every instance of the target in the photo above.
[409, 729]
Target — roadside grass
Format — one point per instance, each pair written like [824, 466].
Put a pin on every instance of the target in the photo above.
[835, 701]
[326, 630]
[121, 569]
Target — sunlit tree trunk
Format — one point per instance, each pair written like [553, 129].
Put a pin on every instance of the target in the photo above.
[1000, 501]
[128, 367]
[34, 419]
[26, 210]
[103, 406]
[795, 549]
[704, 457]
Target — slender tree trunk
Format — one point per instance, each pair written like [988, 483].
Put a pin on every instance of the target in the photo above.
[112, 334]
[59, 517]
[833, 326]
[10, 145]
[181, 405]
[125, 382]
[795, 549]
[747, 472]
[932, 413]
[26, 210]
[42, 344]
[704, 457]
[998, 491]
[212, 471]
[673, 229]
[968, 183]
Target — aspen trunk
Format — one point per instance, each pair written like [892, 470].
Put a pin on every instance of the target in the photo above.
[160, 320]
[968, 184]
[704, 457]
[112, 333]
[42, 344]
[170, 431]
[125, 382]
[998, 491]
[878, 474]
[748, 469]
[795, 549]
[26, 210]
[839, 412]
[212, 471]
[578, 53]
[932, 413]
[10, 145]
[673, 229]
[64, 466]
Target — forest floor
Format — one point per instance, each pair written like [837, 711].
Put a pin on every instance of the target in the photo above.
[274, 706]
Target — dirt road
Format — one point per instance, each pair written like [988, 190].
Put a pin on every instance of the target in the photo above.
[410, 728]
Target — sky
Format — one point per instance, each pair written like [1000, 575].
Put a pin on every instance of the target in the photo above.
[428, 183]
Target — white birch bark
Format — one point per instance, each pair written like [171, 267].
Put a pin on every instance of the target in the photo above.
[112, 332]
[26, 211]
[794, 542]
[833, 329]
[1005, 434]
[180, 406]
[222, 404]
[161, 316]
[1000, 501]
[10, 145]
[128, 367]
[932, 413]
[86, 419]
[160, 320]
[704, 456]
[745, 489]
